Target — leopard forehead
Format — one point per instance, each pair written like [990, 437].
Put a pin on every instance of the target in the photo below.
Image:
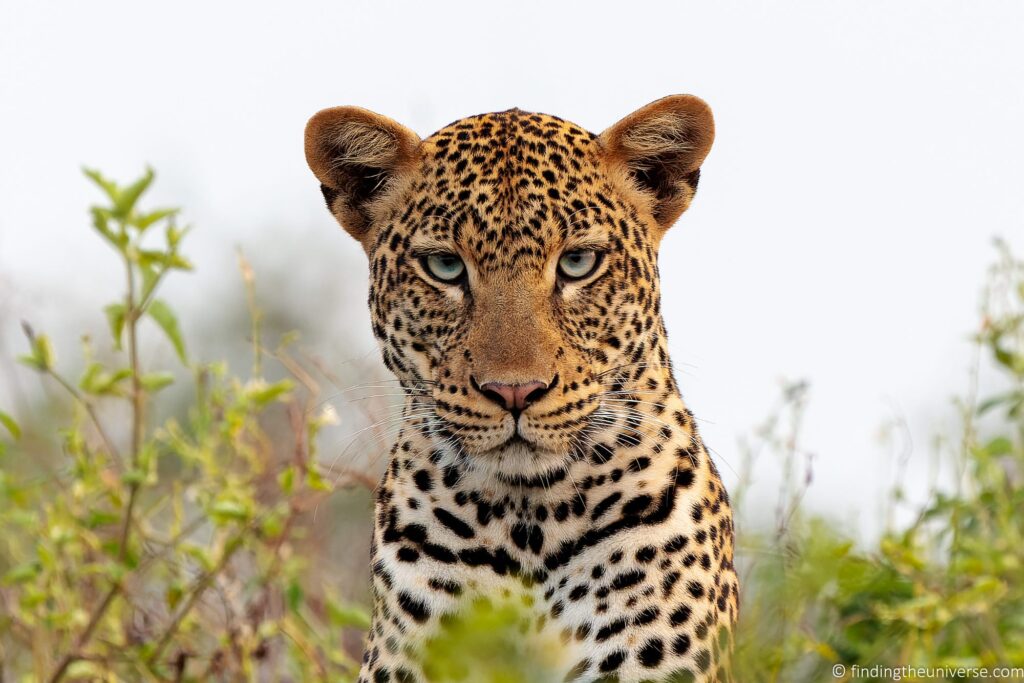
[510, 189]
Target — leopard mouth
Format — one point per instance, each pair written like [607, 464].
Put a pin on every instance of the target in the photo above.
[518, 439]
[516, 442]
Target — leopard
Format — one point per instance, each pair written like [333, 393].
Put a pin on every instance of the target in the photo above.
[545, 453]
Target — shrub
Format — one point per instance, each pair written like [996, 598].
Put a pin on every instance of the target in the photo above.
[946, 591]
[163, 553]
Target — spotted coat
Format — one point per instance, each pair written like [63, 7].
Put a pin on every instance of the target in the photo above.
[596, 505]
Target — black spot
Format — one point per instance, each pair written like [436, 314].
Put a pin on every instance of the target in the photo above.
[680, 615]
[685, 478]
[456, 525]
[601, 454]
[651, 653]
[697, 512]
[483, 513]
[627, 579]
[609, 630]
[416, 609]
[451, 477]
[561, 512]
[613, 661]
[603, 506]
[439, 553]
[637, 505]
[646, 616]
[577, 671]
[703, 659]
[520, 535]
[446, 585]
[676, 544]
[423, 480]
[536, 540]
[578, 592]
[640, 463]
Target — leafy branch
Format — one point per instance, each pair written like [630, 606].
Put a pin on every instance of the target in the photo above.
[118, 530]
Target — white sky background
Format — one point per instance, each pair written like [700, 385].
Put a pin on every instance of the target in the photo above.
[866, 154]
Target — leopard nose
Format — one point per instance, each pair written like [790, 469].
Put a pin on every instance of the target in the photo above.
[514, 397]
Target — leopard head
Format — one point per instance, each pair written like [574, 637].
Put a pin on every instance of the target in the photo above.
[513, 262]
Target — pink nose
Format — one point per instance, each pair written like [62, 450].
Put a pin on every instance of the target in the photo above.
[514, 397]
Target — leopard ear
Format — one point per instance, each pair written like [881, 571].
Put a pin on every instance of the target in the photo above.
[661, 148]
[359, 157]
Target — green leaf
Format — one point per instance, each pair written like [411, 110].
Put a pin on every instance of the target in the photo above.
[347, 616]
[164, 317]
[80, 670]
[173, 595]
[12, 426]
[101, 221]
[293, 596]
[22, 573]
[179, 262]
[1013, 362]
[999, 446]
[134, 476]
[90, 378]
[99, 518]
[147, 258]
[315, 480]
[149, 279]
[174, 235]
[262, 393]
[41, 358]
[97, 381]
[287, 479]
[115, 318]
[127, 198]
[229, 510]
[155, 381]
[145, 221]
[108, 186]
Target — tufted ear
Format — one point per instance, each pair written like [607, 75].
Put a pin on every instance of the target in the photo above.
[661, 147]
[359, 157]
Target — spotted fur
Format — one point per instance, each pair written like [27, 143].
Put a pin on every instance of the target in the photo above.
[598, 504]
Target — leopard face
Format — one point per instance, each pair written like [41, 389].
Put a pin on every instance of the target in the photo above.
[513, 264]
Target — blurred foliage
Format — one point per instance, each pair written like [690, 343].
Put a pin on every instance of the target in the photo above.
[946, 590]
[164, 550]
[492, 643]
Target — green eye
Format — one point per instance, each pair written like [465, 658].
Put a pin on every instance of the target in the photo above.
[445, 267]
[576, 265]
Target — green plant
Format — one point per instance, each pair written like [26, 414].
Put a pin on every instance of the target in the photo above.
[162, 551]
[946, 591]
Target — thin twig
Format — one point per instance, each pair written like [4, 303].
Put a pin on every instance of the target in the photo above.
[195, 592]
[108, 443]
[85, 635]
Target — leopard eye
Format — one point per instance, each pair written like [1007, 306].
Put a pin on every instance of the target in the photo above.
[578, 264]
[445, 267]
